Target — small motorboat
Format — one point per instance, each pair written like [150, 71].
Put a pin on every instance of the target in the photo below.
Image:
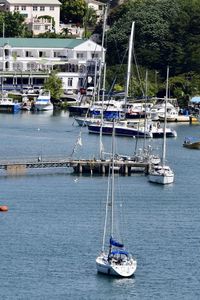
[192, 143]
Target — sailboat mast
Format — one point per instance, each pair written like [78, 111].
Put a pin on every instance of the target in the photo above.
[2, 78]
[130, 52]
[103, 91]
[145, 117]
[113, 179]
[165, 122]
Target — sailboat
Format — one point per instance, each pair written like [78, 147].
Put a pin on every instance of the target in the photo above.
[116, 261]
[162, 173]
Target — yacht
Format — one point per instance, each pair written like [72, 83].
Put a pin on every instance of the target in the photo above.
[43, 101]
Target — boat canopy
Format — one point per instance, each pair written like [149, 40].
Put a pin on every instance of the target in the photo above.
[114, 252]
[195, 99]
[192, 139]
[115, 243]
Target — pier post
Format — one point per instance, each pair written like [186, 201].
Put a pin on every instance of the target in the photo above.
[103, 169]
[16, 169]
[126, 170]
[80, 168]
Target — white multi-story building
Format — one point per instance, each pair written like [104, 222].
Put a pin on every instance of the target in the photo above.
[29, 61]
[36, 12]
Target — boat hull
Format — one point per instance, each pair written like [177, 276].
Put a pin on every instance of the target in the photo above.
[78, 110]
[113, 269]
[107, 130]
[43, 107]
[160, 134]
[10, 108]
[161, 179]
[192, 145]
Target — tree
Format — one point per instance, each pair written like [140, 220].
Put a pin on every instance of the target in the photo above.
[167, 32]
[89, 19]
[14, 25]
[54, 85]
[73, 11]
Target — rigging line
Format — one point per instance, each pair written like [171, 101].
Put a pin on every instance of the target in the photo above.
[106, 215]
[138, 72]
[117, 72]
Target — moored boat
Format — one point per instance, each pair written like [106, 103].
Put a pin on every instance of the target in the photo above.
[7, 105]
[192, 143]
[116, 260]
[43, 102]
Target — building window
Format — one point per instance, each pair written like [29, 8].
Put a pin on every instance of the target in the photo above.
[80, 82]
[42, 8]
[23, 7]
[41, 54]
[36, 27]
[80, 55]
[70, 81]
[95, 55]
[46, 27]
[28, 54]
[16, 7]
[51, 7]
[35, 8]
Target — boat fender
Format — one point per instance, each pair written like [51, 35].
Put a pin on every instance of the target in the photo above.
[3, 208]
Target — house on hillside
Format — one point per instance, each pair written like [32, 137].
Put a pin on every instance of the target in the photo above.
[40, 15]
[29, 61]
[98, 8]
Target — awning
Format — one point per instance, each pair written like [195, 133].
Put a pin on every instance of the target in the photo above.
[195, 99]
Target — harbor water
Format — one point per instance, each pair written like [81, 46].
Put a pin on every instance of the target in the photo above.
[52, 233]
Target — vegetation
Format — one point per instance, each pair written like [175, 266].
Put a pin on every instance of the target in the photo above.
[167, 32]
[14, 25]
[54, 85]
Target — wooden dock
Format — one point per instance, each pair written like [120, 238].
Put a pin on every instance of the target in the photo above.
[92, 166]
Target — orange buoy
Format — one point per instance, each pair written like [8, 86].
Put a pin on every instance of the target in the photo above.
[3, 208]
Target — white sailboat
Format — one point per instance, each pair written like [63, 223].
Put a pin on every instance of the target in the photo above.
[116, 261]
[162, 173]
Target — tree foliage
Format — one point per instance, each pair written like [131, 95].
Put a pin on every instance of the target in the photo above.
[73, 11]
[54, 85]
[167, 32]
[14, 25]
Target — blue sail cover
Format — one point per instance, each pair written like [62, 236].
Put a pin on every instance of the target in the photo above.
[119, 252]
[115, 243]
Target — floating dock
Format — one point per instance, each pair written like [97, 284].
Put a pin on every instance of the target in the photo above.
[92, 166]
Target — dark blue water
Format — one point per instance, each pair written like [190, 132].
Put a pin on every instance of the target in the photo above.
[51, 235]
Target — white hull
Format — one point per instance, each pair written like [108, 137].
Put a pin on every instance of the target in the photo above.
[164, 175]
[43, 107]
[126, 269]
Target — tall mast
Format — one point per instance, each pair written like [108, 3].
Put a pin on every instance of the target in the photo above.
[103, 90]
[2, 78]
[165, 122]
[113, 182]
[130, 52]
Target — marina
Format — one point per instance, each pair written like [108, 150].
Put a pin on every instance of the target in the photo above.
[125, 167]
[56, 214]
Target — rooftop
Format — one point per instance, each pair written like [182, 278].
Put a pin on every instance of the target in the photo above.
[33, 2]
[41, 42]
